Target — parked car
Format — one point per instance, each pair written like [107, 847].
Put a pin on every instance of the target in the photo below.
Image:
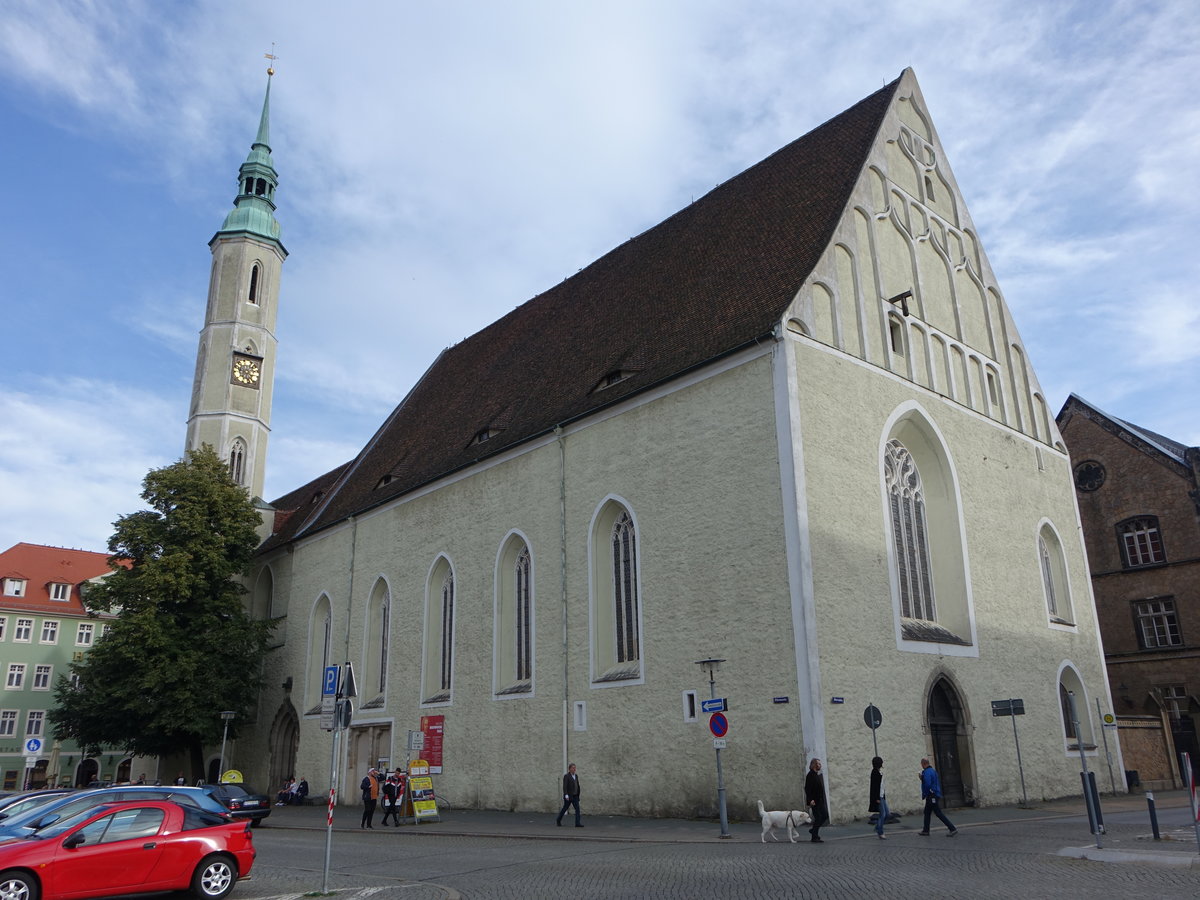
[36, 819]
[128, 848]
[13, 804]
[241, 802]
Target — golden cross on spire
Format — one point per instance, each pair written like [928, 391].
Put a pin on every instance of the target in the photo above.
[271, 56]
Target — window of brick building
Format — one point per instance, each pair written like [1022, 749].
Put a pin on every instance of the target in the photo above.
[1141, 542]
[1157, 624]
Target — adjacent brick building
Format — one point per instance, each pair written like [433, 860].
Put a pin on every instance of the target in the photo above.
[1140, 507]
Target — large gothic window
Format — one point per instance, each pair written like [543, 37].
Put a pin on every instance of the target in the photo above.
[616, 596]
[320, 645]
[438, 669]
[377, 638]
[926, 538]
[514, 619]
[910, 535]
[625, 592]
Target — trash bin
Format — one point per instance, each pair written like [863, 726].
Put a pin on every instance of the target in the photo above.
[1131, 778]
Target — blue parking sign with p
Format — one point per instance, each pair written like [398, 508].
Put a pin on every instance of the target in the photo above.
[329, 684]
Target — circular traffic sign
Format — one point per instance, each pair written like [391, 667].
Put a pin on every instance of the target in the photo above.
[872, 716]
[33, 745]
[718, 724]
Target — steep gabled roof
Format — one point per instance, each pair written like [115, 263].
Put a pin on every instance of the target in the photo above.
[1173, 450]
[713, 278]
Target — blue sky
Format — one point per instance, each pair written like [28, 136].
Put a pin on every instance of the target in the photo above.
[442, 163]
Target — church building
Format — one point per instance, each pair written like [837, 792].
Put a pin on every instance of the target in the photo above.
[792, 428]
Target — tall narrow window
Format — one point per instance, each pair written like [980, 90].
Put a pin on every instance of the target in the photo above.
[624, 556]
[447, 630]
[237, 462]
[385, 629]
[320, 649]
[377, 638]
[909, 533]
[437, 668]
[252, 294]
[1141, 542]
[1054, 576]
[616, 600]
[514, 618]
[1048, 577]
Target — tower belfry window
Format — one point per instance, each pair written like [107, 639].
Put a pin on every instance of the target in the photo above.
[252, 297]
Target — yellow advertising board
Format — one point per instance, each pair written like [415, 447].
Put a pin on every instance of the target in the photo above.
[420, 791]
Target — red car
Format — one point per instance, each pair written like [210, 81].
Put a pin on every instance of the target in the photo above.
[131, 847]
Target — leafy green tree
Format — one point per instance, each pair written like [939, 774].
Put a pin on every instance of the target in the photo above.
[183, 647]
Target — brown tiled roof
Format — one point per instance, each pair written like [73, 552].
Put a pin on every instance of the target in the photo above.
[711, 279]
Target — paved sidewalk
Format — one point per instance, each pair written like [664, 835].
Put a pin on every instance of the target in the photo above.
[1130, 840]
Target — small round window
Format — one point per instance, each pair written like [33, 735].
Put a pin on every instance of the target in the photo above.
[1089, 475]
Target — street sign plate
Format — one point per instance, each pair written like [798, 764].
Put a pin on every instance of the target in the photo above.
[327, 710]
[329, 682]
[1008, 707]
[719, 743]
[718, 724]
[33, 745]
[718, 704]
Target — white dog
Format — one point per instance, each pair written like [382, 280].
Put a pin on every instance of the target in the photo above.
[781, 818]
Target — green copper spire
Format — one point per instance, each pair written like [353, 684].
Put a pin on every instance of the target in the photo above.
[254, 207]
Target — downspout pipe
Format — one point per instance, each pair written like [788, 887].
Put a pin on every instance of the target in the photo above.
[561, 439]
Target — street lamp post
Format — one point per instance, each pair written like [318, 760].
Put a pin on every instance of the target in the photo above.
[226, 716]
[710, 666]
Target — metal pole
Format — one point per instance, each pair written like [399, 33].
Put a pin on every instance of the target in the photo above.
[226, 716]
[874, 736]
[1088, 799]
[1017, 741]
[712, 695]
[1108, 756]
[337, 727]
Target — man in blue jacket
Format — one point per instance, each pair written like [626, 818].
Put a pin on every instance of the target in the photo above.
[931, 791]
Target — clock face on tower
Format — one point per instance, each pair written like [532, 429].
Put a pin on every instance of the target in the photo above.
[247, 371]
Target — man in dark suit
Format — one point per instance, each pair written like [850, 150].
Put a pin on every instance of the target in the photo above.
[570, 796]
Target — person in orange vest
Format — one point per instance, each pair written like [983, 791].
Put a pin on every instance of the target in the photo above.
[370, 796]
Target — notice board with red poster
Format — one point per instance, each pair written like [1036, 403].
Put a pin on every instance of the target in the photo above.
[433, 727]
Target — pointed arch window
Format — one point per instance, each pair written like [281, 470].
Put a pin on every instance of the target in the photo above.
[616, 596]
[320, 645]
[624, 557]
[1054, 576]
[906, 500]
[378, 637]
[237, 462]
[438, 669]
[252, 294]
[514, 619]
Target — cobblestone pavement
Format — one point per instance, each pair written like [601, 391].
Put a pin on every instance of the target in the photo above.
[999, 852]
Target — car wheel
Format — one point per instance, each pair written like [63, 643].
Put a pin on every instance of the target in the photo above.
[16, 885]
[213, 879]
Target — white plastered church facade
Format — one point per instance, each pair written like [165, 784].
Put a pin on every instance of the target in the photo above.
[792, 427]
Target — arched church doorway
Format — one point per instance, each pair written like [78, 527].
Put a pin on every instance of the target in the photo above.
[948, 732]
[370, 746]
[285, 742]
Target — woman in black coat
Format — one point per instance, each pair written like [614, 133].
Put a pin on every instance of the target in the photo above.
[814, 796]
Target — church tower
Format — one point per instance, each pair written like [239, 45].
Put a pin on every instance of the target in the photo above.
[235, 364]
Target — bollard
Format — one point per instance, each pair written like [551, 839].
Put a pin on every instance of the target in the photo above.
[1153, 815]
